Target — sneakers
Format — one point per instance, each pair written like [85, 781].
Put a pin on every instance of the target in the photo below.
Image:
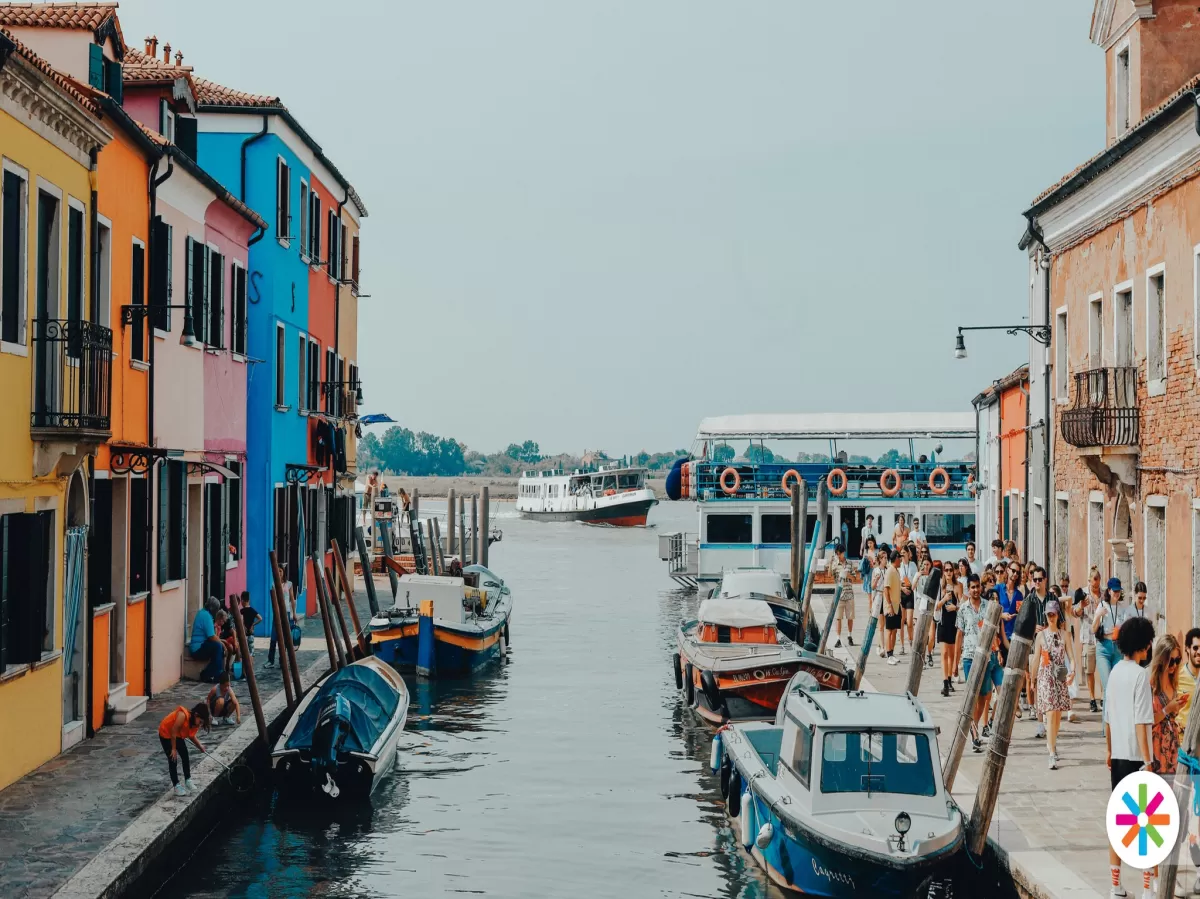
[1071, 716]
[188, 785]
[1041, 732]
[1092, 706]
[228, 721]
[961, 679]
[892, 660]
[180, 790]
[271, 664]
[1032, 714]
[1118, 893]
[883, 653]
[903, 651]
[838, 643]
[976, 746]
[987, 731]
[849, 640]
[929, 660]
[1054, 761]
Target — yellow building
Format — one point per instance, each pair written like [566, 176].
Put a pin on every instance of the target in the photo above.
[55, 390]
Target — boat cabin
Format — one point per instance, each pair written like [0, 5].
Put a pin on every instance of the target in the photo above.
[746, 581]
[453, 599]
[736, 621]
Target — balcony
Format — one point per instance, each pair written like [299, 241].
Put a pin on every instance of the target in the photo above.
[72, 381]
[1105, 413]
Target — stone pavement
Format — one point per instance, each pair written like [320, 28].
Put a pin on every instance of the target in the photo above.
[57, 818]
[1050, 823]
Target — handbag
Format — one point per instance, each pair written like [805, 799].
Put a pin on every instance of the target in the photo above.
[1060, 673]
[296, 633]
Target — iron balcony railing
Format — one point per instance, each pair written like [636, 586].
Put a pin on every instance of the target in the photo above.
[1106, 408]
[72, 376]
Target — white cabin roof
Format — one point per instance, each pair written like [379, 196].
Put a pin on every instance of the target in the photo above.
[736, 613]
[431, 580]
[839, 425]
[875, 711]
[740, 581]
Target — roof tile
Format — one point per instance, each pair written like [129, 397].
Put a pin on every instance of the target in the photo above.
[83, 16]
[209, 93]
[141, 67]
[67, 85]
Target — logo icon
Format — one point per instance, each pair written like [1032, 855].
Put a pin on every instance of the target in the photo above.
[1142, 820]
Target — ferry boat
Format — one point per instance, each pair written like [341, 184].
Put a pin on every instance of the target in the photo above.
[616, 496]
[842, 795]
[744, 507]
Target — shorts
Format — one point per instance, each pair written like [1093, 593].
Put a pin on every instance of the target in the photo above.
[891, 622]
[1089, 658]
[992, 677]
[1122, 768]
[947, 634]
[845, 609]
[907, 601]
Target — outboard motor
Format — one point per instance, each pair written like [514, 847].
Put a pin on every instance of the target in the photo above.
[329, 739]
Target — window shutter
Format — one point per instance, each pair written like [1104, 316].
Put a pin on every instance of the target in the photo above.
[159, 248]
[185, 136]
[164, 512]
[5, 558]
[354, 260]
[330, 262]
[112, 80]
[96, 66]
[315, 236]
[197, 286]
[181, 477]
[189, 285]
[206, 291]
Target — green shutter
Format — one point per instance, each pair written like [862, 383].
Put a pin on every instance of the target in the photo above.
[188, 286]
[181, 477]
[112, 80]
[164, 514]
[96, 66]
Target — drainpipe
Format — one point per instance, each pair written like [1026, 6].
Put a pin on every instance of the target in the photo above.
[150, 541]
[245, 146]
[94, 303]
[1026, 498]
[337, 296]
[1048, 423]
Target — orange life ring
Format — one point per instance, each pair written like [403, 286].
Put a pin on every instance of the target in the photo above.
[842, 482]
[794, 475]
[939, 489]
[610, 493]
[893, 476]
[737, 482]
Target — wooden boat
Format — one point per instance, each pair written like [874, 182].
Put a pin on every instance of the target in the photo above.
[444, 625]
[734, 664]
[767, 584]
[842, 796]
[342, 738]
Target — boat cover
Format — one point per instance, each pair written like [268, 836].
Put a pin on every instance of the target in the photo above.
[736, 613]
[373, 702]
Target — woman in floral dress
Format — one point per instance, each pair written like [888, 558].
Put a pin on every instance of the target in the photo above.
[1054, 676]
[1164, 687]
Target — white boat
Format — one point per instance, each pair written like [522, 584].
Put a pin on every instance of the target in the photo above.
[614, 496]
[842, 796]
[766, 584]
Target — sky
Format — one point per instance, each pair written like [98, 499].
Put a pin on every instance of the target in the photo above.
[594, 223]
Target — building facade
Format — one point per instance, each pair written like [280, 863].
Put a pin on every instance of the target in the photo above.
[1002, 415]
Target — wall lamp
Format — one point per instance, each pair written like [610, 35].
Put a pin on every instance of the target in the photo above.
[1040, 333]
[141, 311]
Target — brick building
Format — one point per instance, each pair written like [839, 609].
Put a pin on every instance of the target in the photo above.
[1114, 252]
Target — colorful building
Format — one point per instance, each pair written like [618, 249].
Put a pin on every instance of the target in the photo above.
[55, 365]
[1002, 415]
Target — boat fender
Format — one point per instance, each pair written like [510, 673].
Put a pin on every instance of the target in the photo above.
[712, 692]
[730, 488]
[689, 684]
[735, 793]
[939, 481]
[889, 482]
[714, 761]
[507, 638]
[726, 767]
[747, 819]
[678, 668]
[765, 834]
[790, 475]
[837, 481]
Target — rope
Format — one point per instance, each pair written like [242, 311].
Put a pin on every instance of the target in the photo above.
[1193, 766]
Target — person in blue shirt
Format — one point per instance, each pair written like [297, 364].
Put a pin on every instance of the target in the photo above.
[1009, 594]
[205, 645]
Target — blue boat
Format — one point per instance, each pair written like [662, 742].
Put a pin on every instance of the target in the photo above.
[842, 796]
[445, 626]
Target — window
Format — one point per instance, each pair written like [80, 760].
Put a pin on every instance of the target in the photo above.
[314, 229]
[1156, 327]
[776, 529]
[48, 244]
[330, 375]
[233, 488]
[331, 261]
[1156, 556]
[240, 322]
[873, 761]
[197, 287]
[339, 393]
[314, 375]
[186, 135]
[302, 369]
[1061, 374]
[161, 242]
[1096, 533]
[96, 66]
[283, 202]
[139, 528]
[172, 521]
[1123, 327]
[730, 529]
[1123, 94]
[1096, 331]
[304, 205]
[280, 365]
[74, 269]
[26, 587]
[166, 120]
[137, 280]
[801, 760]
[102, 311]
[12, 265]
[352, 395]
[949, 528]
[215, 330]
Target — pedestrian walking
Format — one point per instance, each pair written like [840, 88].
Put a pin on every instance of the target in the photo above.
[878, 598]
[900, 531]
[1055, 672]
[250, 620]
[1189, 675]
[174, 732]
[867, 540]
[1165, 665]
[1084, 609]
[917, 534]
[970, 623]
[947, 631]
[867, 563]
[892, 613]
[1139, 600]
[841, 571]
[1010, 552]
[908, 579]
[997, 557]
[974, 564]
[1106, 625]
[289, 604]
[1128, 717]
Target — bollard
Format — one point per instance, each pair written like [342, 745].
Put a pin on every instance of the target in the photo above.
[917, 665]
[331, 590]
[288, 648]
[437, 546]
[475, 530]
[484, 527]
[799, 522]
[1169, 870]
[432, 550]
[979, 665]
[364, 559]
[385, 543]
[865, 653]
[426, 645]
[348, 590]
[837, 598]
[337, 659]
[450, 543]
[248, 670]
[1002, 725]
[280, 616]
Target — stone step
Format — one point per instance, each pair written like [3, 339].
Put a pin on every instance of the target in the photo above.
[127, 708]
[116, 691]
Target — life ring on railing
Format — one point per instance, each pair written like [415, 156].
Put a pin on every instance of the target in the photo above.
[737, 482]
[610, 493]
[790, 473]
[891, 476]
[842, 482]
[937, 487]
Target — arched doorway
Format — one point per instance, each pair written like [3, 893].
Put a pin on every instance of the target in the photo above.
[75, 611]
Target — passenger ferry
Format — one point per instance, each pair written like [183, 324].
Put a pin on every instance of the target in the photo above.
[744, 507]
[615, 496]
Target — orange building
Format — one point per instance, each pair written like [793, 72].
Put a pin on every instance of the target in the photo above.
[1002, 413]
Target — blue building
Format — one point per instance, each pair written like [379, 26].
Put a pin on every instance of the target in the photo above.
[253, 146]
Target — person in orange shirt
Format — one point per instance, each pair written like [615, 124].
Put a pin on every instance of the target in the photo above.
[174, 731]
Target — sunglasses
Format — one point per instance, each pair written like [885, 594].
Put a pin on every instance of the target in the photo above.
[1174, 661]
[1038, 580]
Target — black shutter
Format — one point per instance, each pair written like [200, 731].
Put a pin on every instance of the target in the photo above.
[185, 136]
[240, 312]
[5, 557]
[164, 517]
[220, 299]
[112, 80]
[138, 296]
[189, 284]
[160, 248]
[181, 478]
[26, 561]
[197, 256]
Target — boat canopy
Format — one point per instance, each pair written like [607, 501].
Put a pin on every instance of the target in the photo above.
[373, 702]
[840, 426]
[736, 613]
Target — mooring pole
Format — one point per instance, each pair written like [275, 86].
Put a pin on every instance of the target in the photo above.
[819, 537]
[332, 591]
[917, 664]
[1002, 724]
[799, 516]
[348, 590]
[364, 559]
[437, 545]
[979, 665]
[288, 645]
[833, 607]
[415, 504]
[337, 659]
[865, 652]
[475, 530]
[385, 543]
[433, 559]
[485, 529]
[464, 545]
[248, 669]
[281, 624]
[1168, 871]
[450, 542]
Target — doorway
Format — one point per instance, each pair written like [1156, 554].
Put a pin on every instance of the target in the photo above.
[216, 540]
[195, 555]
[850, 529]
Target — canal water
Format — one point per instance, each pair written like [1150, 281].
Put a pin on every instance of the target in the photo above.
[570, 770]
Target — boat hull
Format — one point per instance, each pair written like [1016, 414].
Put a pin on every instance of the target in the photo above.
[617, 515]
[457, 650]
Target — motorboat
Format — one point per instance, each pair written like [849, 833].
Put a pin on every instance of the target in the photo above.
[445, 624]
[614, 495]
[842, 795]
[734, 663]
[343, 735]
[767, 584]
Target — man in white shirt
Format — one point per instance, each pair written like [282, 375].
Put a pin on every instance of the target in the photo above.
[868, 530]
[976, 565]
[1128, 717]
[916, 535]
[997, 558]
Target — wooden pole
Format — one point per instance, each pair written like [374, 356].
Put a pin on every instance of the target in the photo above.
[385, 542]
[288, 646]
[475, 530]
[332, 591]
[958, 742]
[248, 670]
[1168, 871]
[348, 590]
[484, 529]
[281, 625]
[820, 538]
[432, 547]
[864, 654]
[799, 517]
[464, 546]
[450, 543]
[437, 545]
[1002, 724]
[337, 659]
[368, 575]
[833, 606]
[917, 664]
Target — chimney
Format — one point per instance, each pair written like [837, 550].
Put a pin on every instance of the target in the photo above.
[178, 58]
[167, 53]
[152, 46]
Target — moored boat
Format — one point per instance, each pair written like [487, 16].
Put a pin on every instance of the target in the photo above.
[753, 582]
[614, 496]
[343, 736]
[445, 625]
[842, 796]
[734, 664]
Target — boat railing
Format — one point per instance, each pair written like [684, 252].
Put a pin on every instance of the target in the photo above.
[679, 551]
[765, 481]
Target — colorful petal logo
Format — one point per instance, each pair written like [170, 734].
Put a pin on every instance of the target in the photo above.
[1143, 830]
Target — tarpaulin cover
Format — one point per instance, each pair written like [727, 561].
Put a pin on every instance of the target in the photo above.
[373, 702]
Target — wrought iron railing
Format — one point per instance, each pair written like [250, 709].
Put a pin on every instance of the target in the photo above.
[72, 376]
[1106, 408]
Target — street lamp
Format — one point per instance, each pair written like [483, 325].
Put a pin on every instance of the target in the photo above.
[1040, 333]
[132, 313]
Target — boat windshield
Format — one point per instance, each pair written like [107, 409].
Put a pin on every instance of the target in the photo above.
[629, 480]
[874, 761]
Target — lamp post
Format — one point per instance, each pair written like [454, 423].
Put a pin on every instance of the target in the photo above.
[140, 312]
[1040, 333]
